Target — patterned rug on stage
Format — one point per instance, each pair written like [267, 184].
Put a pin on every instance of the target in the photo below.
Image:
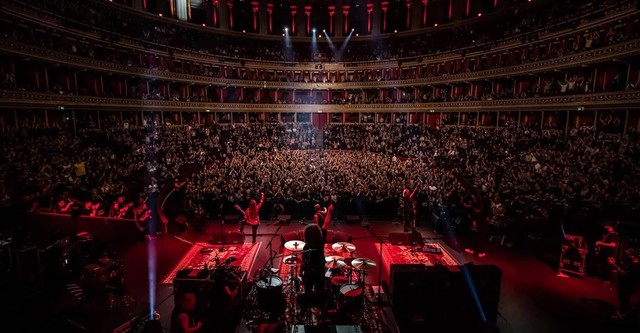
[400, 254]
[201, 254]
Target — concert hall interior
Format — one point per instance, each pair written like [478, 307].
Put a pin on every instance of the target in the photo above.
[276, 166]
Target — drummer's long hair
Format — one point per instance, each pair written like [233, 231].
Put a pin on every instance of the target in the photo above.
[313, 236]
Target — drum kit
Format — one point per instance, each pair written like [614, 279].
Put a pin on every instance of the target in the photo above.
[346, 272]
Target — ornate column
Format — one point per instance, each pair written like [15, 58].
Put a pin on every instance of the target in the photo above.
[215, 11]
[230, 5]
[384, 6]
[332, 12]
[223, 15]
[369, 12]
[254, 9]
[294, 11]
[345, 20]
[307, 14]
[416, 13]
[375, 18]
[269, 18]
[425, 3]
[408, 3]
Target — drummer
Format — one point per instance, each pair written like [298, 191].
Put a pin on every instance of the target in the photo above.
[313, 261]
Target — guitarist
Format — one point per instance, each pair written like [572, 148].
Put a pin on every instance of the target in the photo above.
[119, 208]
[251, 216]
[322, 217]
[606, 248]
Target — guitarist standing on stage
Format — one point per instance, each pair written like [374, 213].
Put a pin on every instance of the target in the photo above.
[409, 209]
[606, 248]
[322, 218]
[251, 216]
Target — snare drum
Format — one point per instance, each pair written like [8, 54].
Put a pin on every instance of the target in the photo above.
[337, 282]
[269, 291]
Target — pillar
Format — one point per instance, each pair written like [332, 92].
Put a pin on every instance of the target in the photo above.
[369, 13]
[408, 3]
[307, 15]
[384, 6]
[223, 14]
[345, 20]
[254, 9]
[375, 18]
[230, 13]
[268, 22]
[294, 11]
[332, 12]
[215, 12]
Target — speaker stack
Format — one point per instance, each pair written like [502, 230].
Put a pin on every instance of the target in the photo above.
[444, 297]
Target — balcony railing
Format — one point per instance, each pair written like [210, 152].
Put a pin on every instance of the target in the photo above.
[609, 100]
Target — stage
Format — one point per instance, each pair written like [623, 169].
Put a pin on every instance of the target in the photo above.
[533, 297]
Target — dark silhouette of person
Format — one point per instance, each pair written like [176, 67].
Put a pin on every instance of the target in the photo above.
[313, 265]
[183, 316]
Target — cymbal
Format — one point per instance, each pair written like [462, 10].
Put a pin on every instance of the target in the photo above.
[294, 245]
[343, 247]
[291, 260]
[363, 263]
[335, 261]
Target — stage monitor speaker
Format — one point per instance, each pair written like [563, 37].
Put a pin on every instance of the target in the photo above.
[339, 236]
[400, 238]
[284, 217]
[230, 237]
[352, 219]
[231, 218]
[292, 235]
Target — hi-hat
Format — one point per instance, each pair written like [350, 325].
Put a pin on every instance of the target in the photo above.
[291, 260]
[335, 262]
[294, 245]
[363, 263]
[343, 247]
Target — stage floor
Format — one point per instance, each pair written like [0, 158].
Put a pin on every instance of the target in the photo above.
[533, 298]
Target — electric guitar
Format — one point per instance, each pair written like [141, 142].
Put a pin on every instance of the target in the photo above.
[123, 210]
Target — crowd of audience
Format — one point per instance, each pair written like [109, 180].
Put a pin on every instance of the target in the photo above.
[528, 171]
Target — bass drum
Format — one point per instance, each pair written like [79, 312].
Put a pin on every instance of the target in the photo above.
[269, 293]
[350, 298]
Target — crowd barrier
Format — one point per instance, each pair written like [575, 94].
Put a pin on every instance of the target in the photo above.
[109, 233]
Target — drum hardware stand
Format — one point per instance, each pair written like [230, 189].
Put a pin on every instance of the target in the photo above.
[378, 295]
[222, 249]
[272, 254]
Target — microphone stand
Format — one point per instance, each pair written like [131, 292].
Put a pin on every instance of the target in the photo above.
[270, 246]
[222, 249]
[378, 295]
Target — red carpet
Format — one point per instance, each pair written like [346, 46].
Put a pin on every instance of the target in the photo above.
[204, 253]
